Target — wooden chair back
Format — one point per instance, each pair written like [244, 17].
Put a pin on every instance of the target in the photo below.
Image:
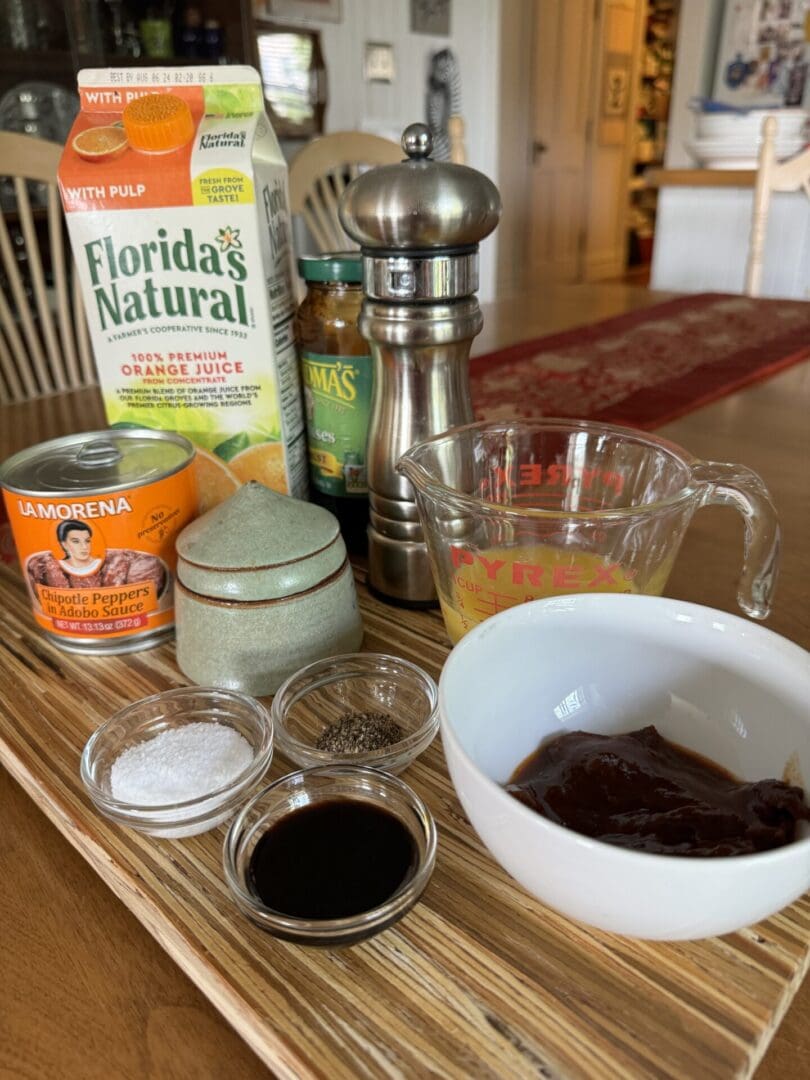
[790, 175]
[320, 173]
[44, 344]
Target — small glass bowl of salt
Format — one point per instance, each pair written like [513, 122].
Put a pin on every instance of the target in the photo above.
[178, 763]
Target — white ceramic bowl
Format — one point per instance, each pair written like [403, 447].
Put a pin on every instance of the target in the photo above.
[738, 153]
[789, 122]
[718, 684]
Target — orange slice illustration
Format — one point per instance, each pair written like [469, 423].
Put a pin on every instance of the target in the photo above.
[264, 462]
[100, 143]
[215, 481]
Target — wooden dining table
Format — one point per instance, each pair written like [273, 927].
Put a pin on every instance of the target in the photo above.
[90, 979]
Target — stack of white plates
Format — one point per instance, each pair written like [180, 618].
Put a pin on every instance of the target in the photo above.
[730, 140]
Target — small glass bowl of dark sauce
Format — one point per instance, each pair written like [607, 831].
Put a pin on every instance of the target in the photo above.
[330, 855]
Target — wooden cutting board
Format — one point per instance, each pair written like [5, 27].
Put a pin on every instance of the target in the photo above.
[479, 980]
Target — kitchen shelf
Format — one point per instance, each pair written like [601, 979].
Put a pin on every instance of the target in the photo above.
[654, 90]
[147, 61]
[37, 63]
[80, 40]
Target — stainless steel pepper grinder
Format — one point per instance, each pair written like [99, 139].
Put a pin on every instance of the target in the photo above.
[418, 225]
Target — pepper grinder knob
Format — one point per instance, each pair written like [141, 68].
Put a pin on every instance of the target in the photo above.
[417, 141]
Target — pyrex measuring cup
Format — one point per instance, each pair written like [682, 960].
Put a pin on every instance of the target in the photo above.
[517, 511]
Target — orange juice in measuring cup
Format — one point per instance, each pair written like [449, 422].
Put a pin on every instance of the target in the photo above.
[486, 582]
[519, 511]
[175, 192]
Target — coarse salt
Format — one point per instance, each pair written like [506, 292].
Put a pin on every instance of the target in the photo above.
[180, 764]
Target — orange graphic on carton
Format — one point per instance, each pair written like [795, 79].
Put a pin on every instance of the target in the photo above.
[131, 127]
[137, 181]
[100, 566]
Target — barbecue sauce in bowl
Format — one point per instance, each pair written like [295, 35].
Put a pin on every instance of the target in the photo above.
[332, 860]
[640, 791]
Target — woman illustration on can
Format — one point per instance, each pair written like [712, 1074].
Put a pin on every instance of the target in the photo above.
[75, 539]
[80, 569]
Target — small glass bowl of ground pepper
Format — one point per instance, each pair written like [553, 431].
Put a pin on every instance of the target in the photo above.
[359, 709]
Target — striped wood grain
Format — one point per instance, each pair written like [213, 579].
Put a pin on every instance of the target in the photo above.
[479, 980]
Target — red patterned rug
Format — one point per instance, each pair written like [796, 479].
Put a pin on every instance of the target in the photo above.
[647, 367]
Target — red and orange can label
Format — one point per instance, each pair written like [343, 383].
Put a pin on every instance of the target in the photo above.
[96, 540]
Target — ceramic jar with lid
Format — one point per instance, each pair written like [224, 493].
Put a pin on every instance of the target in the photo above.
[264, 586]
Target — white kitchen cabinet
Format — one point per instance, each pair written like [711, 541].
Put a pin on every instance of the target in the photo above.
[701, 241]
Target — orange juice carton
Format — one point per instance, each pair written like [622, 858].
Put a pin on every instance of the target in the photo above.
[175, 192]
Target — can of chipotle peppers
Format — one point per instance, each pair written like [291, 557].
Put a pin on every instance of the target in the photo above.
[94, 517]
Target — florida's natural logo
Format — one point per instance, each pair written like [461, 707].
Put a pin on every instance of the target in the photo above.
[110, 266]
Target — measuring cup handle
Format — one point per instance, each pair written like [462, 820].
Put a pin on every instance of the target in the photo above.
[734, 485]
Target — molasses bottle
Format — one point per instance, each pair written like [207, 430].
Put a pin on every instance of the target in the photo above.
[336, 372]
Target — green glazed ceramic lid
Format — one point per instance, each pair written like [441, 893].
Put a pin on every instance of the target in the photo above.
[259, 545]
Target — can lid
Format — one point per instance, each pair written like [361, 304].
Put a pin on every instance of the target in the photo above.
[96, 462]
[344, 266]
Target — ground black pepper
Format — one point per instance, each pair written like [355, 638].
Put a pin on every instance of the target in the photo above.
[357, 732]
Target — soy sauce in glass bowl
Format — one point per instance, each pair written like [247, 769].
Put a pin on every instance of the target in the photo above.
[330, 855]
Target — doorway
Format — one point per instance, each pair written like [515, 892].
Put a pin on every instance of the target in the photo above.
[562, 88]
[572, 145]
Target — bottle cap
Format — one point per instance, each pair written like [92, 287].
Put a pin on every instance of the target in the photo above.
[158, 123]
[343, 266]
